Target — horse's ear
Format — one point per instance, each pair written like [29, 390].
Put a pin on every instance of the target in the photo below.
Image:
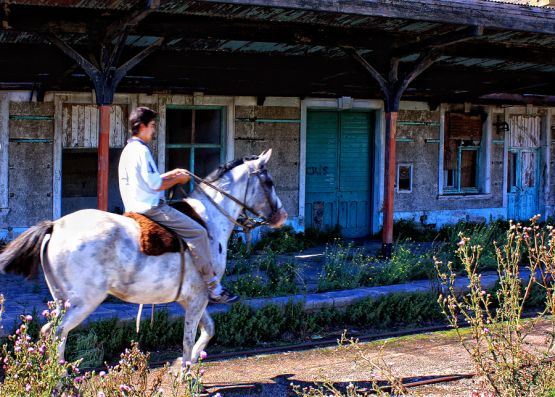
[264, 157]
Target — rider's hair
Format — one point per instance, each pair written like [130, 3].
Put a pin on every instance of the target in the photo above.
[141, 115]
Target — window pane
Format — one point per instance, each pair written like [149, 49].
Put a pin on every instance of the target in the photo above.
[469, 163]
[178, 125]
[178, 158]
[511, 172]
[528, 169]
[208, 126]
[206, 161]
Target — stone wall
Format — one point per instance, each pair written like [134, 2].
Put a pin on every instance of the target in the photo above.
[258, 128]
[30, 160]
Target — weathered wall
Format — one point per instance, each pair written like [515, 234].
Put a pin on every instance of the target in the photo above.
[418, 144]
[258, 128]
[31, 134]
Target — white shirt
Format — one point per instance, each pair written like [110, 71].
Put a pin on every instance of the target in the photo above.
[139, 178]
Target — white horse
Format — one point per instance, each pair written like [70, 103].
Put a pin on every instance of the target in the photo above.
[89, 254]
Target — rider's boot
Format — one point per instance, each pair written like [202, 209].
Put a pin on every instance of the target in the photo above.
[219, 294]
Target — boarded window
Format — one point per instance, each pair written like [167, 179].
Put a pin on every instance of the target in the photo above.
[461, 156]
[404, 178]
[194, 139]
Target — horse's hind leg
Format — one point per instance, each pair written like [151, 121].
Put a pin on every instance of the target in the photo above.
[75, 314]
[206, 333]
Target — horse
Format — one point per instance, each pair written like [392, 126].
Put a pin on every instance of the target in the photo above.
[90, 254]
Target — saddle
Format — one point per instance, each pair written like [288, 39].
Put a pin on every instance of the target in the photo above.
[156, 239]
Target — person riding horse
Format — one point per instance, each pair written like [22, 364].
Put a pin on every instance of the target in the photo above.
[141, 187]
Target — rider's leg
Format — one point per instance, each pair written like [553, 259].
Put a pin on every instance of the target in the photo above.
[196, 238]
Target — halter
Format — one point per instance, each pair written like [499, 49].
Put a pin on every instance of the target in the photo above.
[248, 223]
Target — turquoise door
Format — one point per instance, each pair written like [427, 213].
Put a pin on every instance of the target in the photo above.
[522, 183]
[338, 161]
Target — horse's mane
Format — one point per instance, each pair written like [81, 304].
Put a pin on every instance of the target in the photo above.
[222, 169]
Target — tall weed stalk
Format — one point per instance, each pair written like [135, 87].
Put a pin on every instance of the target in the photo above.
[500, 342]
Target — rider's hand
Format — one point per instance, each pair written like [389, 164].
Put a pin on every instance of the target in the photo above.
[182, 178]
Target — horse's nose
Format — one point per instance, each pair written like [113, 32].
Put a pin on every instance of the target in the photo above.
[279, 218]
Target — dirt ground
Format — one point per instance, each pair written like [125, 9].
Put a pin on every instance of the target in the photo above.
[411, 358]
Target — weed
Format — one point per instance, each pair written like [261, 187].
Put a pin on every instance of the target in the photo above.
[499, 343]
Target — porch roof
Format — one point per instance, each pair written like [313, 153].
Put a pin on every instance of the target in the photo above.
[489, 51]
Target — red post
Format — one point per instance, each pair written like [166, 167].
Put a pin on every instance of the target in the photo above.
[389, 182]
[103, 157]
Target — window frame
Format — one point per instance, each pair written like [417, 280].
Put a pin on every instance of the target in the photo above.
[483, 149]
[192, 146]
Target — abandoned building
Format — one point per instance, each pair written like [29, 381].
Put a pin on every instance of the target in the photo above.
[436, 111]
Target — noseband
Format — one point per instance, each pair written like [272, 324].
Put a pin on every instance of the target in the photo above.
[246, 222]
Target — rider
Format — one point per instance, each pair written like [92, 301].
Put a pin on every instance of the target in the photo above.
[141, 187]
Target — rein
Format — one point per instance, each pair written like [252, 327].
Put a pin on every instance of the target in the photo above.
[249, 223]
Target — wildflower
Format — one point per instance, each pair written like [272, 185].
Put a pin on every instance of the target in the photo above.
[483, 292]
[102, 374]
[45, 313]
[30, 350]
[201, 372]
[28, 318]
[101, 394]
[62, 362]
[486, 330]
[188, 364]
[67, 304]
[124, 387]
[54, 313]
[28, 387]
[17, 348]
[203, 355]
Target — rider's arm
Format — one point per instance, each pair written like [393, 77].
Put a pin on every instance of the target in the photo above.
[172, 178]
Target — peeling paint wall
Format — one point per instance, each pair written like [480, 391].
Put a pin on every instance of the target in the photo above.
[258, 128]
[418, 143]
[30, 158]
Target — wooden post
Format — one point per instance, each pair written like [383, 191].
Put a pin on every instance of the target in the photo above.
[389, 182]
[103, 156]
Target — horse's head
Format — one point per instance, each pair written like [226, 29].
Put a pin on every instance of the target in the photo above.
[261, 193]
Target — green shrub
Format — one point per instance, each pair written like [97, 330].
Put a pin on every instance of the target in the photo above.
[344, 266]
[265, 277]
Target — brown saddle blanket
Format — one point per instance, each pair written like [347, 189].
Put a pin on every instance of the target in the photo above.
[156, 239]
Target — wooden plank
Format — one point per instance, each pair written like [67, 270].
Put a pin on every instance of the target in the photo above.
[87, 132]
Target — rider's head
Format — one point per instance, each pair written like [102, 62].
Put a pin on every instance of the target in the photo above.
[141, 115]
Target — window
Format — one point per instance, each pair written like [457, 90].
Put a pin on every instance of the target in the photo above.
[461, 155]
[194, 140]
[404, 178]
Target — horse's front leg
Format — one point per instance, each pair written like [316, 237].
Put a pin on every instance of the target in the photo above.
[194, 310]
[206, 333]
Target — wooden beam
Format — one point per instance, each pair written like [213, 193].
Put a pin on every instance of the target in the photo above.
[456, 12]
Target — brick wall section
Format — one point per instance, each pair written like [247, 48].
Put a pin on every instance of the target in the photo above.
[30, 164]
[282, 136]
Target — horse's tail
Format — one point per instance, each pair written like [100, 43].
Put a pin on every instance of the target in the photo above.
[22, 255]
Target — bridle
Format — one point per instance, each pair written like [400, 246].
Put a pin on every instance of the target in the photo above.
[246, 222]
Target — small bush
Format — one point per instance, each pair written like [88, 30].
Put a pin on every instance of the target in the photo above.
[264, 277]
[32, 368]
